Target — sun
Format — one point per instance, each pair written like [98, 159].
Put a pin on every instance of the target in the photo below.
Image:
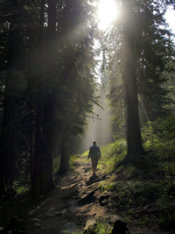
[106, 12]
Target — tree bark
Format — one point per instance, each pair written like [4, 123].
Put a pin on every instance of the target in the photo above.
[7, 141]
[134, 141]
[64, 163]
[41, 179]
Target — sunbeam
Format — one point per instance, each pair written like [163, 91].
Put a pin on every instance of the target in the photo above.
[107, 12]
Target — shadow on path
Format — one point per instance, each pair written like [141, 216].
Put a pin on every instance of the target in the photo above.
[70, 206]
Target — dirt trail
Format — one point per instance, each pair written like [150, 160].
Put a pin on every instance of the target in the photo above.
[75, 204]
[71, 206]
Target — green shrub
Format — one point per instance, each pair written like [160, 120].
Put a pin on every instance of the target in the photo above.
[99, 228]
[111, 155]
[160, 129]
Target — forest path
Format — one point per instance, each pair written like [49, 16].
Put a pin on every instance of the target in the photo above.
[72, 205]
[76, 204]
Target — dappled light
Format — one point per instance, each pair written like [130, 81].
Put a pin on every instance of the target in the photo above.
[98, 127]
[87, 120]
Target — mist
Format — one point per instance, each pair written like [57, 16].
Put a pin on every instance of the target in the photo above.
[98, 125]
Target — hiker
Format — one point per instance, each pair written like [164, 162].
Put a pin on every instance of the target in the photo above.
[95, 155]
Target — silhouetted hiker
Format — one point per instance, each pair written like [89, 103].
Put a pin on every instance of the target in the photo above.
[95, 155]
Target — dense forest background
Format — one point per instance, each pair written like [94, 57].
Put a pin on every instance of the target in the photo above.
[48, 80]
[49, 84]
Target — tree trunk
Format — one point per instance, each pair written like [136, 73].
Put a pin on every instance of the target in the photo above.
[41, 178]
[64, 163]
[134, 141]
[7, 141]
[7, 158]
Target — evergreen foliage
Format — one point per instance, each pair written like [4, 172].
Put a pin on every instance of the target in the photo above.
[47, 85]
[154, 55]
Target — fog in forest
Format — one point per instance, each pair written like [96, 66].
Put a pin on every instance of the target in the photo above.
[98, 124]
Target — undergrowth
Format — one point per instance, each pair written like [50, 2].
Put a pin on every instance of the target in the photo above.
[99, 228]
[143, 189]
[110, 155]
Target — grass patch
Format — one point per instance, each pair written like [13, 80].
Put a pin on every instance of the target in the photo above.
[73, 159]
[111, 154]
[56, 164]
[108, 185]
[99, 228]
[144, 188]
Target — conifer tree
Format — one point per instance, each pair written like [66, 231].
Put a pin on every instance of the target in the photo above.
[14, 48]
[76, 52]
[143, 51]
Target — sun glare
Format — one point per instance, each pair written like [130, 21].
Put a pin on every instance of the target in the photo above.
[107, 12]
